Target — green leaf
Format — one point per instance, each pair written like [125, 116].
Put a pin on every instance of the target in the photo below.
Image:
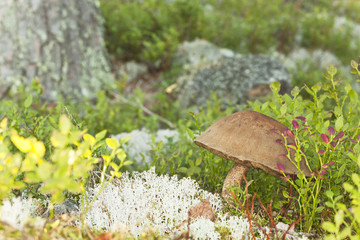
[337, 111]
[332, 70]
[28, 101]
[182, 169]
[124, 140]
[115, 166]
[329, 194]
[121, 155]
[190, 133]
[126, 163]
[346, 232]
[285, 194]
[339, 123]
[283, 109]
[264, 106]
[64, 124]
[316, 88]
[327, 76]
[275, 87]
[198, 161]
[90, 139]
[3, 123]
[295, 91]
[300, 176]
[348, 187]
[100, 135]
[329, 226]
[354, 64]
[58, 140]
[23, 144]
[112, 143]
[319, 209]
[356, 179]
[339, 218]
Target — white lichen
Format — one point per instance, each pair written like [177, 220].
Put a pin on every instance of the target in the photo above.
[160, 203]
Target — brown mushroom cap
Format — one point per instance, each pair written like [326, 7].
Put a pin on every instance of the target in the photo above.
[250, 139]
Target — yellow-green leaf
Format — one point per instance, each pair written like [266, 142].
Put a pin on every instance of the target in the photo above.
[112, 143]
[339, 123]
[329, 226]
[64, 124]
[354, 64]
[124, 140]
[28, 101]
[121, 155]
[3, 123]
[90, 139]
[27, 165]
[58, 140]
[23, 144]
[100, 135]
[38, 148]
[126, 163]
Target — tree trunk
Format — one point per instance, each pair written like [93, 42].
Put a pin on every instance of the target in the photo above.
[60, 42]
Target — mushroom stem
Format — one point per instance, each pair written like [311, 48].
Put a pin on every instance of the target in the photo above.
[233, 178]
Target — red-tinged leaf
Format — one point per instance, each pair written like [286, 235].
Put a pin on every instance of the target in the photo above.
[358, 137]
[339, 135]
[325, 138]
[321, 151]
[290, 133]
[323, 172]
[280, 167]
[295, 124]
[344, 140]
[353, 141]
[305, 129]
[279, 141]
[331, 130]
[333, 144]
[284, 131]
[282, 155]
[321, 178]
[301, 118]
[327, 165]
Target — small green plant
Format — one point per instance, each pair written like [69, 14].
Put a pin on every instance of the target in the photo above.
[325, 129]
[346, 223]
[71, 159]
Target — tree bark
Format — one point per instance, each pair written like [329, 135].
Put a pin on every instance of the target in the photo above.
[60, 42]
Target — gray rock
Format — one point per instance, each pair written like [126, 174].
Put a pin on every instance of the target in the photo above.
[200, 51]
[132, 70]
[235, 79]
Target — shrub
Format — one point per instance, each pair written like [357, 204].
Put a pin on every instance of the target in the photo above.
[328, 141]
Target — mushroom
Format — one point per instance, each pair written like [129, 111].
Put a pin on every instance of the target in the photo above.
[249, 139]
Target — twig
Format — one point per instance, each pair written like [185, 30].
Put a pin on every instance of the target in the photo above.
[291, 225]
[247, 207]
[144, 109]
[71, 116]
[272, 224]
